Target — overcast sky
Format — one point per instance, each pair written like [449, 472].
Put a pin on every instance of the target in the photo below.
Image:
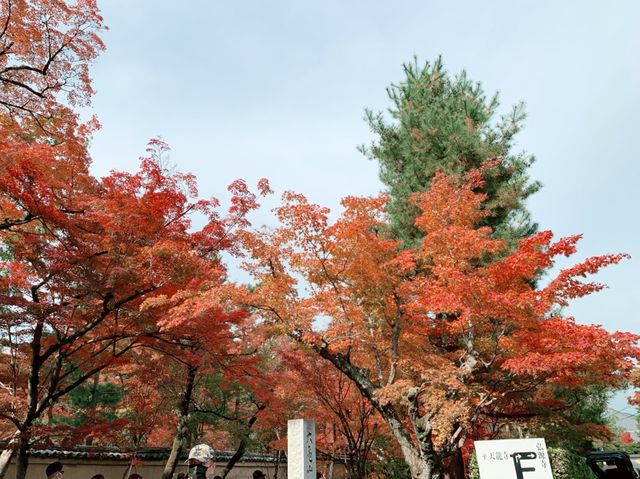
[277, 89]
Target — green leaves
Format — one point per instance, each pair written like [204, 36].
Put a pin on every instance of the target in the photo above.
[444, 123]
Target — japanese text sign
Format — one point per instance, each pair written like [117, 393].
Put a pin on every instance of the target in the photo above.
[513, 459]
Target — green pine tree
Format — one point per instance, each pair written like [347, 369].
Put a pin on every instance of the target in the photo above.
[92, 404]
[439, 122]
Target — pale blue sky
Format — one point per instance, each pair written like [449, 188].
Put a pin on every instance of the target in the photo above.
[277, 89]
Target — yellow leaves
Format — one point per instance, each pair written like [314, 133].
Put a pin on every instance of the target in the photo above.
[154, 302]
[62, 36]
[451, 416]
[394, 392]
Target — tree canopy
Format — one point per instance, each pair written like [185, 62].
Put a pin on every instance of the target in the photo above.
[437, 122]
[417, 311]
[437, 341]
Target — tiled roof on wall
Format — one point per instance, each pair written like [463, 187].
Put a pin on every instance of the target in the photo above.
[147, 454]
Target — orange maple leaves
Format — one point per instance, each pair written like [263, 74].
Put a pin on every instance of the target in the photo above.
[45, 52]
[456, 319]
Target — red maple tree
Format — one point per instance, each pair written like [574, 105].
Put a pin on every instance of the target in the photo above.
[347, 424]
[45, 52]
[436, 339]
[83, 288]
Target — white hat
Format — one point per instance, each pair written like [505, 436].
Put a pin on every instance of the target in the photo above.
[201, 452]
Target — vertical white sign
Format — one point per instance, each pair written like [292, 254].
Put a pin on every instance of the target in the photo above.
[513, 459]
[301, 449]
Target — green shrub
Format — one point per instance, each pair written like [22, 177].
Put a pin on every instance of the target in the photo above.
[564, 464]
[567, 465]
[474, 472]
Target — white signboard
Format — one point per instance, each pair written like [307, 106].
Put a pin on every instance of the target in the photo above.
[513, 459]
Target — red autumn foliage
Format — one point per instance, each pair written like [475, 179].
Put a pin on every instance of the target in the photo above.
[626, 438]
[437, 339]
[45, 52]
[86, 287]
[346, 423]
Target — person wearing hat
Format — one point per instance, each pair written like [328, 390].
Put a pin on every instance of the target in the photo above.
[55, 470]
[201, 465]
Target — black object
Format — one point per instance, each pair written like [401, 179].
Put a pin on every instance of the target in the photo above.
[612, 465]
[518, 457]
[197, 471]
[53, 468]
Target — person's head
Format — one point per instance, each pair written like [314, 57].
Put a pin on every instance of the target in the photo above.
[55, 470]
[200, 461]
[97, 476]
[258, 474]
[182, 475]
[217, 477]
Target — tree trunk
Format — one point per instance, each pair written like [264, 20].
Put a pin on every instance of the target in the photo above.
[422, 464]
[454, 466]
[93, 406]
[182, 429]
[277, 465]
[423, 461]
[243, 444]
[8, 452]
[174, 455]
[22, 460]
[13, 445]
[423, 468]
[235, 458]
[5, 460]
[127, 471]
